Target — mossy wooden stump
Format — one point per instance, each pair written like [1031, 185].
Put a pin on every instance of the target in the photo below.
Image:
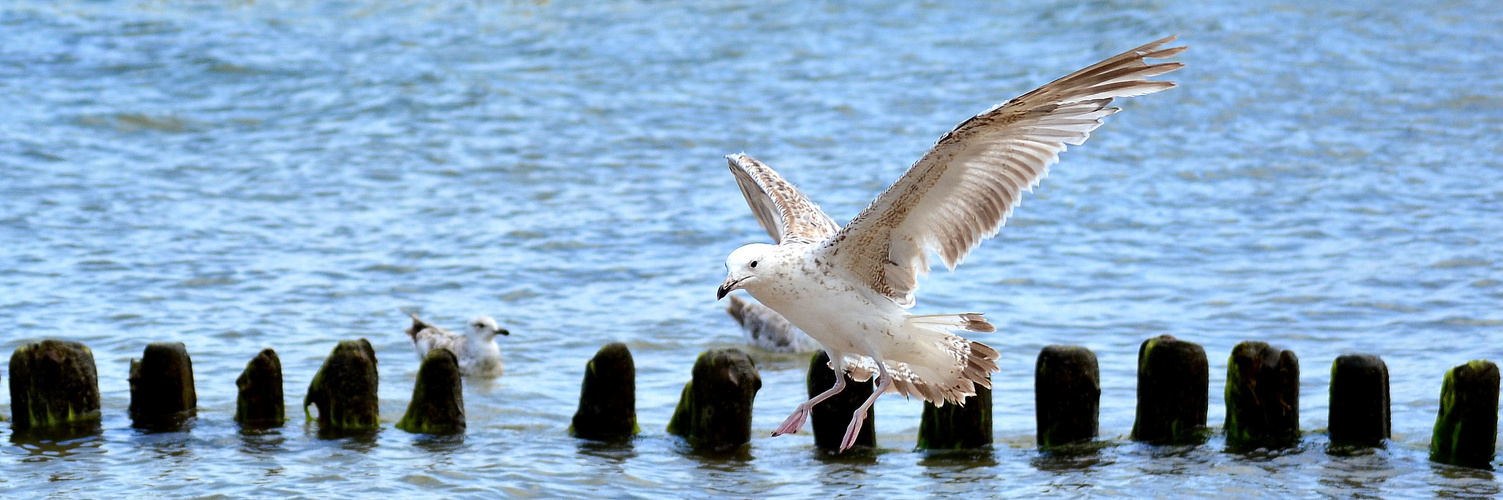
[1466, 429]
[714, 411]
[1173, 387]
[53, 385]
[1066, 395]
[162, 395]
[437, 405]
[830, 418]
[608, 396]
[344, 390]
[1262, 397]
[963, 426]
[1359, 414]
[260, 403]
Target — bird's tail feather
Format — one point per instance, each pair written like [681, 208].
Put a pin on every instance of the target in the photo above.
[417, 326]
[943, 366]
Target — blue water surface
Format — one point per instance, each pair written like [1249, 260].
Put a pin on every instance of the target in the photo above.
[289, 174]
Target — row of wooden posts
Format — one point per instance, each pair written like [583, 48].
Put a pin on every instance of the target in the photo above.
[54, 386]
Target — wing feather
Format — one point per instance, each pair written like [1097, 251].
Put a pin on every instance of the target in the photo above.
[963, 190]
[780, 208]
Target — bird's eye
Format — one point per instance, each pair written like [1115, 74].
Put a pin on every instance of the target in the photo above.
[754, 264]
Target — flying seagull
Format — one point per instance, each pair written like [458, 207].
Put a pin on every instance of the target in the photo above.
[476, 350]
[849, 288]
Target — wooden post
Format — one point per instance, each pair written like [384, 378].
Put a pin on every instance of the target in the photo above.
[608, 396]
[714, 411]
[1173, 387]
[1359, 413]
[1262, 397]
[830, 418]
[260, 403]
[53, 386]
[962, 426]
[437, 405]
[162, 396]
[344, 390]
[1066, 395]
[1466, 429]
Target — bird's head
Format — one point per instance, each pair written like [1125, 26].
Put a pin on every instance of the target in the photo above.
[485, 328]
[742, 267]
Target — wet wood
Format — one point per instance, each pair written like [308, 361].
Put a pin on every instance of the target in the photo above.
[608, 396]
[1066, 395]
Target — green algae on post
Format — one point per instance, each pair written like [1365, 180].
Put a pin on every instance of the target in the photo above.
[437, 405]
[958, 426]
[162, 395]
[260, 402]
[344, 390]
[1067, 395]
[714, 411]
[1173, 389]
[1262, 397]
[1359, 413]
[53, 384]
[1466, 429]
[608, 396]
[830, 418]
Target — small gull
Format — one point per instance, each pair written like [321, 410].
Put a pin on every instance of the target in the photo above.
[849, 288]
[476, 351]
[767, 329]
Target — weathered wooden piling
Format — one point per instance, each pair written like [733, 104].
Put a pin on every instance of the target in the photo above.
[963, 426]
[1359, 413]
[344, 390]
[1466, 429]
[437, 405]
[1173, 389]
[53, 384]
[1066, 395]
[830, 418]
[608, 396]
[260, 403]
[1262, 396]
[714, 411]
[162, 395]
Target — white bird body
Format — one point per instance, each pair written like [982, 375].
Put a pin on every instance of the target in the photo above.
[850, 287]
[476, 351]
[767, 329]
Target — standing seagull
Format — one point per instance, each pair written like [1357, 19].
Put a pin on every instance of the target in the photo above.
[849, 287]
[476, 351]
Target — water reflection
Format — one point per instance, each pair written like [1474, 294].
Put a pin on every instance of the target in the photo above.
[261, 442]
[1082, 457]
[443, 445]
[358, 440]
[1463, 482]
[615, 452]
[1355, 472]
[42, 444]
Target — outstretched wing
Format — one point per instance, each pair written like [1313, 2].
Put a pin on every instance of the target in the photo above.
[966, 186]
[781, 209]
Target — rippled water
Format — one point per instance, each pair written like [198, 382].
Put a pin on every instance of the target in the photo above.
[290, 174]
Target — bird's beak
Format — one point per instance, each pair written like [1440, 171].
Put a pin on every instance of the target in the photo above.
[504, 331]
[725, 288]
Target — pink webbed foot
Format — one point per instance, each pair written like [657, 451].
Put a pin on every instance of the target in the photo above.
[794, 422]
[852, 431]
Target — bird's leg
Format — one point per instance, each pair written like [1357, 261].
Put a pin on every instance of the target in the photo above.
[860, 416]
[796, 420]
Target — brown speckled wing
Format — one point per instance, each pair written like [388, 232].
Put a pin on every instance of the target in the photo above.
[781, 209]
[966, 186]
